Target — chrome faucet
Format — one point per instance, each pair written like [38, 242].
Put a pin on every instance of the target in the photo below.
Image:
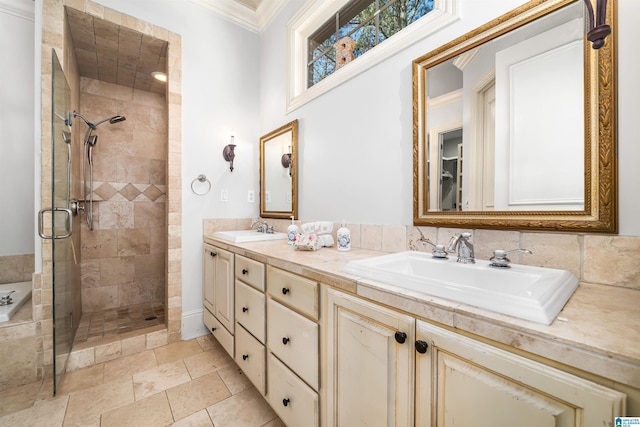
[263, 227]
[438, 250]
[461, 245]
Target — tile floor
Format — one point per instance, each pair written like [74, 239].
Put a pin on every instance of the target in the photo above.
[188, 383]
[118, 321]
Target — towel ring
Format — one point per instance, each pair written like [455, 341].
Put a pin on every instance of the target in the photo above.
[202, 178]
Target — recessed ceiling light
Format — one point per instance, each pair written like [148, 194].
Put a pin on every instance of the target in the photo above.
[159, 75]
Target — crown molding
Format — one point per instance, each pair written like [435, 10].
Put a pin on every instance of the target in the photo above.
[24, 9]
[234, 11]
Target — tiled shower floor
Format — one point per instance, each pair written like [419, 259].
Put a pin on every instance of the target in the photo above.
[111, 323]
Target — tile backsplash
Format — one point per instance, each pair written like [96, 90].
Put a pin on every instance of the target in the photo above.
[603, 259]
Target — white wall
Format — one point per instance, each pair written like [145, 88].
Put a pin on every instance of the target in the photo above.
[16, 131]
[355, 142]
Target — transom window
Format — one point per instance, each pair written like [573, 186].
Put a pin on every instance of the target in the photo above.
[356, 28]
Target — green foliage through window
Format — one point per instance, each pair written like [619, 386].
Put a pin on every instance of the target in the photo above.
[367, 23]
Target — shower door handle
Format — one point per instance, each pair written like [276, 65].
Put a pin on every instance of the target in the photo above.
[67, 224]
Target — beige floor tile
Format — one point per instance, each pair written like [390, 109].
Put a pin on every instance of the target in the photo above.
[246, 409]
[44, 413]
[86, 404]
[196, 395]
[159, 379]
[235, 380]
[207, 362]
[275, 423]
[176, 351]
[16, 399]
[152, 411]
[81, 379]
[199, 419]
[120, 369]
[208, 342]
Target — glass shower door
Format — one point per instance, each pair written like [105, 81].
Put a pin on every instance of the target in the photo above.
[63, 256]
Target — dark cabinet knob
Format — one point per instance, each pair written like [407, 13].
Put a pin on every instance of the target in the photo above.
[285, 291]
[213, 329]
[422, 346]
[401, 337]
[285, 340]
[285, 402]
[245, 356]
[213, 254]
[245, 309]
[245, 271]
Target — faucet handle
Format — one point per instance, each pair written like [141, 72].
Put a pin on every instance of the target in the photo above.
[500, 260]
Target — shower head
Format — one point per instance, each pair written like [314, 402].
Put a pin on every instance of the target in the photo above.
[111, 120]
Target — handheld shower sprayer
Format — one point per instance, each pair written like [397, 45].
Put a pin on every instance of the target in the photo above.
[89, 142]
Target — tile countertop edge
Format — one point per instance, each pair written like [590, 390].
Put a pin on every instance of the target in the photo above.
[595, 338]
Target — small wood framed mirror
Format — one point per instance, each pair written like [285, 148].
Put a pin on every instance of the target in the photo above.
[278, 172]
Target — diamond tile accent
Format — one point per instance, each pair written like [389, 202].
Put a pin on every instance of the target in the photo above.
[130, 192]
[105, 191]
[153, 192]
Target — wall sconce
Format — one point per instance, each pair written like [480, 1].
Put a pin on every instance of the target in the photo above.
[598, 28]
[229, 154]
[286, 160]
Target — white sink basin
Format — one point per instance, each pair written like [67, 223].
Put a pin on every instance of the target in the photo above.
[244, 236]
[527, 292]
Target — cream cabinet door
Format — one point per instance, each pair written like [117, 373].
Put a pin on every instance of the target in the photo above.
[463, 382]
[218, 285]
[208, 276]
[370, 364]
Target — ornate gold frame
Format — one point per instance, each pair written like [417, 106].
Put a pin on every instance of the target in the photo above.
[600, 214]
[293, 128]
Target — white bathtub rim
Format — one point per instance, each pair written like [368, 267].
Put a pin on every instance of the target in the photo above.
[21, 295]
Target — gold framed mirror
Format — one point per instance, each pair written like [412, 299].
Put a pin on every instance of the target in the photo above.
[279, 171]
[514, 125]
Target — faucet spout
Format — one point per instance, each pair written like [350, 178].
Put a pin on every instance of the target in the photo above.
[461, 245]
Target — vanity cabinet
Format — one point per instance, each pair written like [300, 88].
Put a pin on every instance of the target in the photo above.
[369, 362]
[293, 368]
[385, 368]
[250, 309]
[218, 294]
[496, 387]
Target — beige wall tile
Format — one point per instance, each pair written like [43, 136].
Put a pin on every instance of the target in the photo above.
[371, 237]
[99, 244]
[560, 251]
[394, 238]
[115, 215]
[156, 339]
[612, 260]
[80, 359]
[133, 242]
[487, 241]
[107, 352]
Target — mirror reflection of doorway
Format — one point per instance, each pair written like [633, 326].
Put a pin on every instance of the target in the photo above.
[450, 165]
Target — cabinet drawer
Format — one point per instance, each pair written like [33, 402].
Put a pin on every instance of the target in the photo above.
[250, 310]
[294, 339]
[220, 333]
[294, 402]
[297, 292]
[250, 272]
[250, 356]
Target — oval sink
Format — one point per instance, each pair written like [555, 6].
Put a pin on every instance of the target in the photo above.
[527, 292]
[245, 236]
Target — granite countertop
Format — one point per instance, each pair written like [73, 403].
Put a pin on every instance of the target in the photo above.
[596, 332]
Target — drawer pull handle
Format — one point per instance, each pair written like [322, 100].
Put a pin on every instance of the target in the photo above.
[245, 309]
[285, 402]
[213, 329]
[245, 271]
[401, 337]
[285, 291]
[285, 340]
[213, 254]
[422, 346]
[245, 356]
